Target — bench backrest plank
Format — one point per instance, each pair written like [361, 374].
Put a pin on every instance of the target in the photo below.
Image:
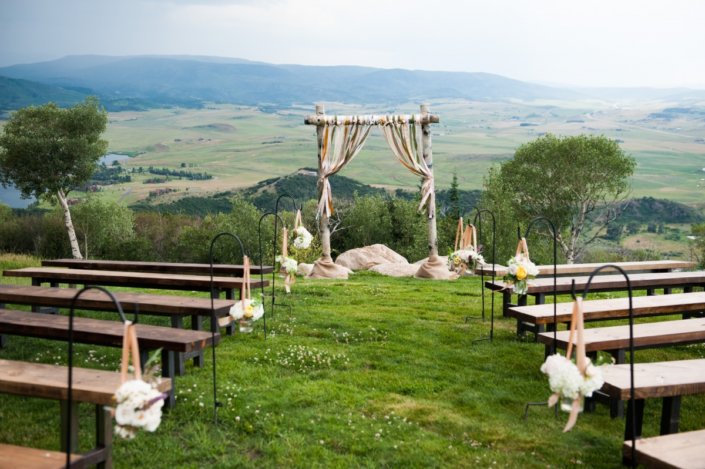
[102, 332]
[614, 308]
[51, 382]
[682, 450]
[657, 379]
[157, 305]
[131, 279]
[162, 267]
[653, 334]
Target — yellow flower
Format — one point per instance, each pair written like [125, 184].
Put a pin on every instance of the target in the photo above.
[521, 272]
[249, 311]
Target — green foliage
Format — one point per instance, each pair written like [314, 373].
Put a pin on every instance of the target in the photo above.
[576, 182]
[103, 228]
[698, 244]
[47, 149]
[647, 210]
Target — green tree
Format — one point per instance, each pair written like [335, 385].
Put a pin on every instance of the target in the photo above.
[697, 245]
[104, 227]
[47, 151]
[454, 198]
[579, 183]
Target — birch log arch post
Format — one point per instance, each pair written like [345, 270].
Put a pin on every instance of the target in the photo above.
[340, 139]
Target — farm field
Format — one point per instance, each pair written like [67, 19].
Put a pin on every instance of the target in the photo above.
[243, 145]
[369, 372]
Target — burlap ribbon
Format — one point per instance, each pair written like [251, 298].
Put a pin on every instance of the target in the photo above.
[130, 347]
[459, 234]
[245, 293]
[297, 220]
[523, 249]
[289, 279]
[576, 332]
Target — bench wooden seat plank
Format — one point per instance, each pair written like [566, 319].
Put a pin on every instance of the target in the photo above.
[679, 450]
[614, 308]
[162, 267]
[616, 338]
[56, 275]
[151, 304]
[14, 457]
[587, 268]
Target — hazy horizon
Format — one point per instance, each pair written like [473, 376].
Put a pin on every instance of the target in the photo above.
[629, 43]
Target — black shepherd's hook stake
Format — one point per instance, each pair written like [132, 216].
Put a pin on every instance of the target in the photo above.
[214, 320]
[478, 221]
[631, 348]
[261, 256]
[69, 399]
[276, 234]
[555, 268]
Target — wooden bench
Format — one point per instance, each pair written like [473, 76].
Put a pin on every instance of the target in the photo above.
[662, 380]
[546, 270]
[51, 382]
[540, 287]
[110, 334]
[55, 276]
[13, 457]
[234, 270]
[615, 339]
[679, 450]
[537, 318]
[174, 307]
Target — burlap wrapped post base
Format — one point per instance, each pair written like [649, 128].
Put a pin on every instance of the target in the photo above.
[326, 268]
[435, 268]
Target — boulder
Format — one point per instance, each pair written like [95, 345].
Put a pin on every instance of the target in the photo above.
[304, 269]
[369, 256]
[395, 269]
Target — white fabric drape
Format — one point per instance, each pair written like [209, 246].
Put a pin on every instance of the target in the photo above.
[402, 137]
[341, 143]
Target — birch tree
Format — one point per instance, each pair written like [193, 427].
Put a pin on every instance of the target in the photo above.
[578, 182]
[47, 151]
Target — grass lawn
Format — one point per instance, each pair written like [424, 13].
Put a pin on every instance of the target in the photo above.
[368, 372]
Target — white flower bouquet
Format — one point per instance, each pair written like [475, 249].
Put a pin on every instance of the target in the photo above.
[565, 379]
[464, 259]
[246, 312]
[519, 270]
[289, 264]
[303, 238]
[139, 407]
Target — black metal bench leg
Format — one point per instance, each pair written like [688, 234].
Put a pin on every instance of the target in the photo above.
[169, 371]
[104, 435]
[180, 368]
[196, 326]
[69, 411]
[639, 419]
[670, 415]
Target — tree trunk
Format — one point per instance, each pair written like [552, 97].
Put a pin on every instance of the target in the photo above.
[75, 249]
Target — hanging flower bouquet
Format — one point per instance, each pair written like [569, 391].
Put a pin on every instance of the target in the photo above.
[288, 264]
[138, 402]
[303, 238]
[464, 259]
[519, 270]
[566, 381]
[138, 407]
[247, 311]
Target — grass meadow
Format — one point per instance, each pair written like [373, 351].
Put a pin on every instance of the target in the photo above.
[242, 145]
[369, 372]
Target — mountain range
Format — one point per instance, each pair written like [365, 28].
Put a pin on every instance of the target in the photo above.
[141, 82]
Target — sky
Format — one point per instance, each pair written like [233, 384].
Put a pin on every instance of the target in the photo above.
[653, 43]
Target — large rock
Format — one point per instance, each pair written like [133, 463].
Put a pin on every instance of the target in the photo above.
[369, 256]
[304, 269]
[395, 269]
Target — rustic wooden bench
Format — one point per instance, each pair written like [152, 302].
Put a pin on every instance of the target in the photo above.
[51, 382]
[56, 275]
[680, 450]
[536, 318]
[661, 380]
[110, 334]
[540, 287]
[14, 457]
[234, 270]
[615, 339]
[546, 270]
[174, 307]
